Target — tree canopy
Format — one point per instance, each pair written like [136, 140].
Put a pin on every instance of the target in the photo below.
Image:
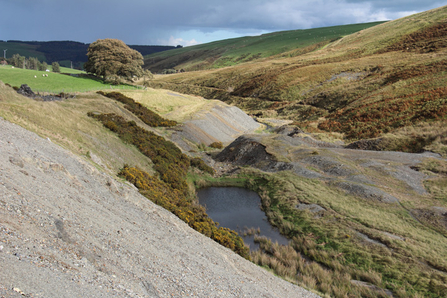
[56, 67]
[114, 61]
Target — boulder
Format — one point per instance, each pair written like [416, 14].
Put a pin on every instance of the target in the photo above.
[26, 91]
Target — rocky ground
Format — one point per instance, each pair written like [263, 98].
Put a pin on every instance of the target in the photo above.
[68, 230]
[359, 172]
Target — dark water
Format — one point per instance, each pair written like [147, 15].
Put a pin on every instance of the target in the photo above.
[238, 208]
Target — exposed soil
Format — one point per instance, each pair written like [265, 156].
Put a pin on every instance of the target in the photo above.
[68, 230]
[221, 123]
[358, 172]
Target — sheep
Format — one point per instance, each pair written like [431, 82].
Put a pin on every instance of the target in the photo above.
[35, 76]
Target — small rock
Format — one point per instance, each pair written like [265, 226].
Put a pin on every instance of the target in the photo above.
[18, 291]
[314, 208]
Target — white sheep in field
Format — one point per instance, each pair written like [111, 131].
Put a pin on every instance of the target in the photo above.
[43, 75]
[35, 76]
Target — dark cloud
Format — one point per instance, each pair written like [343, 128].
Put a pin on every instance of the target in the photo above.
[152, 22]
[401, 5]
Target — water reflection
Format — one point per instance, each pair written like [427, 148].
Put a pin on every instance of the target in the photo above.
[238, 209]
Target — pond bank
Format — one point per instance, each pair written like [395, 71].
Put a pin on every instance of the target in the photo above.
[239, 209]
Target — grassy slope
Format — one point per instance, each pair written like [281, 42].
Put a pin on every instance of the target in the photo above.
[385, 69]
[174, 106]
[235, 51]
[67, 124]
[165, 102]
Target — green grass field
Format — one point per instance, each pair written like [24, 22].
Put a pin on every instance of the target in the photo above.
[68, 70]
[55, 82]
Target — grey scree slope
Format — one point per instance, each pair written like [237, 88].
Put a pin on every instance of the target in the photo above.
[68, 230]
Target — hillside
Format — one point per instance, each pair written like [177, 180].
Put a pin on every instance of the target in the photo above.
[68, 230]
[376, 216]
[330, 181]
[239, 50]
[64, 52]
[70, 222]
[365, 85]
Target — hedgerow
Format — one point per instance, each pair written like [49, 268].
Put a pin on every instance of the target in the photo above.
[168, 159]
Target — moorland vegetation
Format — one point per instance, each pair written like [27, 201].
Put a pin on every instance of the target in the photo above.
[382, 88]
[172, 192]
[369, 84]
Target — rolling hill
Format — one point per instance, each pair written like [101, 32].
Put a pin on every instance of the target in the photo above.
[238, 50]
[365, 85]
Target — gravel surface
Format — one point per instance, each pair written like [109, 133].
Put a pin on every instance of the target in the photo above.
[357, 172]
[222, 123]
[68, 230]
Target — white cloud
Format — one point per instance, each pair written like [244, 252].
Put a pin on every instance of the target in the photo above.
[172, 41]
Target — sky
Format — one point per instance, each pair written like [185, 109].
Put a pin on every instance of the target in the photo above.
[187, 22]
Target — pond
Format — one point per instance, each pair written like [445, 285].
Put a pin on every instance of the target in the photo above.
[238, 209]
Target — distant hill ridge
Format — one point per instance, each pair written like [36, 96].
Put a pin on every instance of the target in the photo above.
[64, 52]
[235, 51]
